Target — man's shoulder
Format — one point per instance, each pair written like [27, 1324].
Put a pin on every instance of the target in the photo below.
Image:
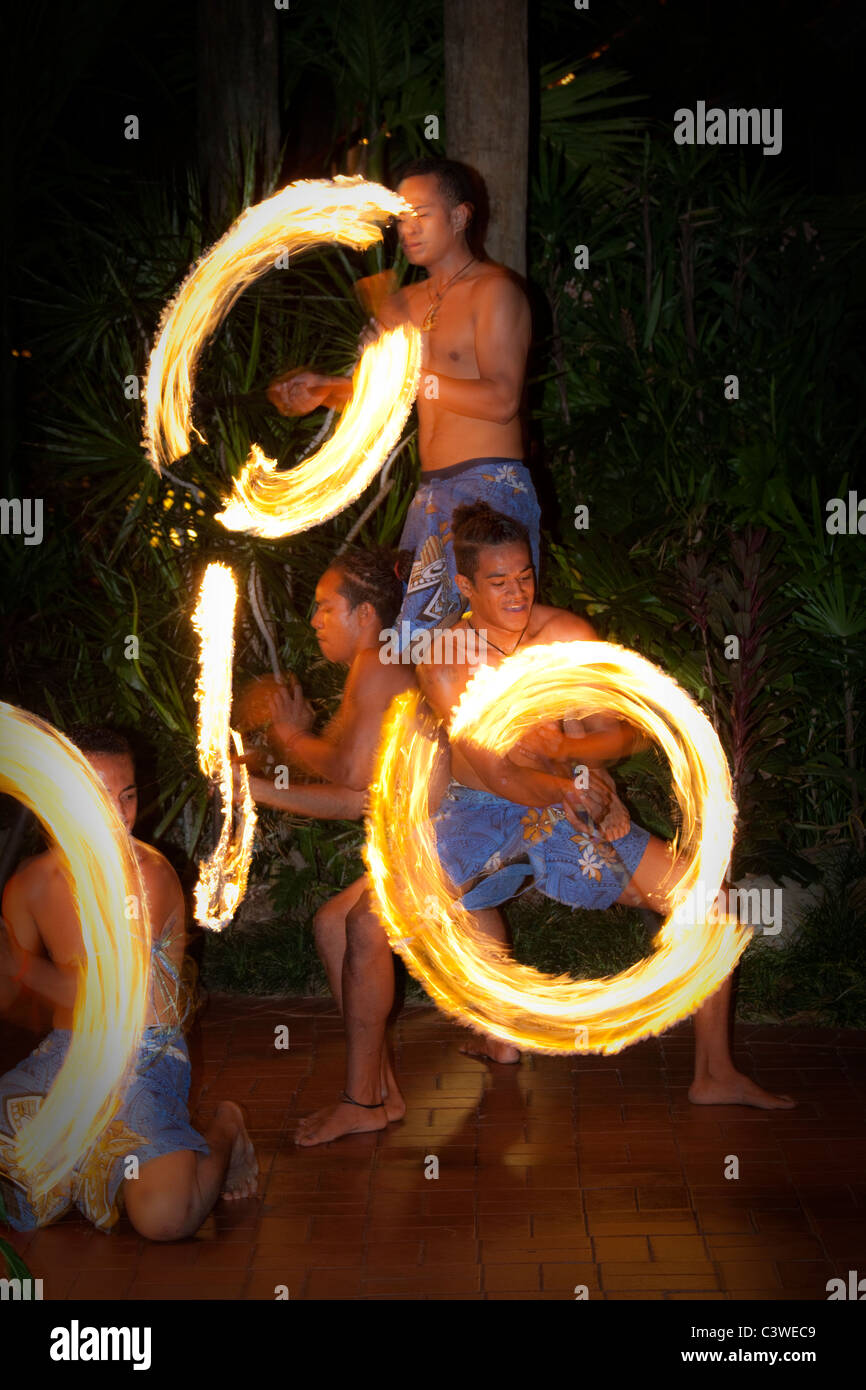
[373, 674]
[156, 868]
[495, 281]
[34, 874]
[559, 625]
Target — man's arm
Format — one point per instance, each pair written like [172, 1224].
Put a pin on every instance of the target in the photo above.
[523, 785]
[348, 761]
[20, 960]
[608, 738]
[502, 334]
[321, 800]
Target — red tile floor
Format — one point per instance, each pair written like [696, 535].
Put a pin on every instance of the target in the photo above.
[557, 1173]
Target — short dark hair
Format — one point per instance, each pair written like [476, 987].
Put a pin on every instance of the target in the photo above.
[454, 179]
[478, 525]
[369, 576]
[95, 738]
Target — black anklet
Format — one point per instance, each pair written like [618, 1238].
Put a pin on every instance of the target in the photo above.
[349, 1101]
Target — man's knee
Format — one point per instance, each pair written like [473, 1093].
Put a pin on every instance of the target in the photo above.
[163, 1216]
[326, 920]
[365, 934]
[160, 1202]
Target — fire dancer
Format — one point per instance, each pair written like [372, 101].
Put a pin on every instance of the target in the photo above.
[475, 321]
[149, 1158]
[505, 818]
[357, 599]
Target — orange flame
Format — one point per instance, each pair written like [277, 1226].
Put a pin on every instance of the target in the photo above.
[45, 772]
[222, 878]
[264, 501]
[470, 977]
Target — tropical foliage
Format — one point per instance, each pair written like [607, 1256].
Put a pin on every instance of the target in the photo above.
[706, 498]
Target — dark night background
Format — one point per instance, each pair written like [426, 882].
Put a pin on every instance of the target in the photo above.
[707, 518]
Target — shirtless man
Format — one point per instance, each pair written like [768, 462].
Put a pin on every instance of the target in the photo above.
[356, 602]
[490, 794]
[181, 1174]
[475, 322]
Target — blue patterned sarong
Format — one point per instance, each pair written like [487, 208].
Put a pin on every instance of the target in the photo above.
[153, 1119]
[432, 598]
[481, 834]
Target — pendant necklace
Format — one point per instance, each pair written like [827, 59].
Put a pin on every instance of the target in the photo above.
[430, 316]
[499, 649]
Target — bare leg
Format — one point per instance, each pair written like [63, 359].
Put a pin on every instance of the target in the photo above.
[486, 1048]
[329, 925]
[329, 928]
[368, 994]
[716, 1079]
[172, 1195]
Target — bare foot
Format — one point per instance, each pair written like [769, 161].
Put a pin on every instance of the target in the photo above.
[336, 1120]
[243, 1170]
[394, 1104]
[487, 1049]
[736, 1089]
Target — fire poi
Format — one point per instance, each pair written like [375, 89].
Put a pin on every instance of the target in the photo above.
[467, 976]
[265, 501]
[223, 876]
[42, 769]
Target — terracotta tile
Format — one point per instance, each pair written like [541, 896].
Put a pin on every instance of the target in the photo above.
[610, 1199]
[659, 1277]
[568, 1274]
[670, 1247]
[511, 1278]
[806, 1274]
[264, 1284]
[749, 1274]
[643, 1223]
[621, 1248]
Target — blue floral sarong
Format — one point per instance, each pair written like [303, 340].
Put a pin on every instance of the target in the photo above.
[432, 598]
[481, 834]
[152, 1120]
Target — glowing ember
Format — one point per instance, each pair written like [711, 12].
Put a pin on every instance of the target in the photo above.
[45, 772]
[222, 878]
[266, 502]
[473, 979]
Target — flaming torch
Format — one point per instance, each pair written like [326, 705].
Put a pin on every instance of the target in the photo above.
[46, 773]
[266, 502]
[222, 878]
[470, 977]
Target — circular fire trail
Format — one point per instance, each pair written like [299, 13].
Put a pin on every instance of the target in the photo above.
[474, 980]
[265, 501]
[42, 770]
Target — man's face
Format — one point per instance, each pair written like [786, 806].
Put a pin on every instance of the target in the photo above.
[117, 774]
[335, 624]
[433, 231]
[503, 590]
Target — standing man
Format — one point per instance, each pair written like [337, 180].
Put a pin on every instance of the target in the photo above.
[475, 322]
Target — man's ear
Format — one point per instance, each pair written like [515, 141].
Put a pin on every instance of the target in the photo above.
[461, 217]
[464, 585]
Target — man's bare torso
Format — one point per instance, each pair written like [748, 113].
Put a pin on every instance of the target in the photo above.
[544, 626]
[450, 348]
[55, 929]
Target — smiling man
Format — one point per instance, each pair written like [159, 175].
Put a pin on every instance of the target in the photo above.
[475, 322]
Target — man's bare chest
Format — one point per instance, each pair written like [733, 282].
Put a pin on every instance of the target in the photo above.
[449, 338]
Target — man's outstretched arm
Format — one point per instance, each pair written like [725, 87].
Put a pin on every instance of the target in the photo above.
[321, 800]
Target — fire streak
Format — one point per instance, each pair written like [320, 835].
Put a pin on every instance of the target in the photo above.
[474, 980]
[222, 878]
[42, 770]
[264, 501]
